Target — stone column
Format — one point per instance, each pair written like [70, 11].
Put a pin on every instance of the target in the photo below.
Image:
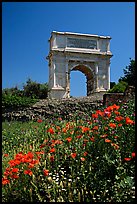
[54, 74]
[67, 80]
[96, 72]
[108, 74]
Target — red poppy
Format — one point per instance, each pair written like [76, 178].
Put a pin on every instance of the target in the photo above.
[42, 145]
[85, 129]
[5, 181]
[82, 159]
[52, 158]
[103, 136]
[5, 155]
[30, 155]
[52, 150]
[39, 121]
[106, 140]
[127, 159]
[79, 136]
[85, 153]
[30, 165]
[7, 173]
[119, 118]
[92, 139]
[112, 125]
[94, 115]
[50, 130]
[95, 128]
[73, 155]
[129, 121]
[106, 128]
[14, 176]
[69, 139]
[15, 170]
[115, 146]
[117, 113]
[42, 152]
[46, 172]
[29, 172]
[120, 124]
[133, 154]
[99, 112]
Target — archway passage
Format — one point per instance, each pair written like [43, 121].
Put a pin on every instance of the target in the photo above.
[77, 84]
[89, 77]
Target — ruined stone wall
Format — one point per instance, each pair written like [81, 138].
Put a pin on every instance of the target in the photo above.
[63, 108]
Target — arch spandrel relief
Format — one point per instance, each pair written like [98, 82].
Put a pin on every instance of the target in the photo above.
[83, 52]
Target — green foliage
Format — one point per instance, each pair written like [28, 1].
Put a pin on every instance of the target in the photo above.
[129, 74]
[13, 97]
[15, 101]
[35, 90]
[112, 84]
[119, 88]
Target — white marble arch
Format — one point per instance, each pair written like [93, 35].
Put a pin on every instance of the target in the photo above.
[87, 53]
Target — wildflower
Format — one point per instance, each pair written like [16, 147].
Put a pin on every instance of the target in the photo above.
[119, 118]
[99, 112]
[82, 159]
[30, 165]
[79, 136]
[92, 139]
[120, 124]
[85, 153]
[69, 139]
[73, 155]
[30, 155]
[94, 115]
[5, 155]
[117, 113]
[127, 159]
[14, 176]
[103, 136]
[95, 128]
[105, 128]
[29, 172]
[46, 172]
[52, 158]
[52, 150]
[115, 146]
[15, 170]
[42, 152]
[5, 181]
[133, 154]
[112, 125]
[39, 121]
[42, 145]
[85, 129]
[129, 121]
[50, 130]
[106, 140]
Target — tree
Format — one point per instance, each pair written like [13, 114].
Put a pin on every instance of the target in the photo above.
[129, 73]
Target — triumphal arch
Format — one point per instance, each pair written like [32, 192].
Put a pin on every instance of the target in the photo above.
[87, 53]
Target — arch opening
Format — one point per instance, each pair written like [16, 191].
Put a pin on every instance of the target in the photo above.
[77, 84]
[87, 75]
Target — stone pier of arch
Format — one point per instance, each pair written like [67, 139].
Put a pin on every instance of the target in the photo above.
[89, 54]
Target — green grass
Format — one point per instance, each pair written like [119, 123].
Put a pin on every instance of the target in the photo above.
[85, 159]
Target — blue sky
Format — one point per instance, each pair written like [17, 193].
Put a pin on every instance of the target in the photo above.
[26, 28]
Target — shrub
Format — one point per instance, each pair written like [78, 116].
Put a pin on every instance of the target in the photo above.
[15, 101]
[35, 90]
[119, 88]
